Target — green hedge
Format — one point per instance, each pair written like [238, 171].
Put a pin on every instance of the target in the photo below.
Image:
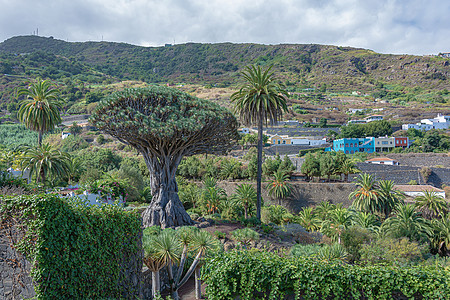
[78, 251]
[264, 275]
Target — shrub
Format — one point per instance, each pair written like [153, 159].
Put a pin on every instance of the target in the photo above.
[299, 250]
[264, 275]
[78, 251]
[219, 234]
[245, 236]
[7, 180]
[392, 251]
[276, 214]
[353, 239]
[250, 222]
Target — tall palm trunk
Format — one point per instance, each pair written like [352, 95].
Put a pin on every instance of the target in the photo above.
[259, 162]
[40, 137]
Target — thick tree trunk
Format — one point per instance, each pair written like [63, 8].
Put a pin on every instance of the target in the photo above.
[166, 209]
[259, 174]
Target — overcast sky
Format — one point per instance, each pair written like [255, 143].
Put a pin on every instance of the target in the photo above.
[385, 26]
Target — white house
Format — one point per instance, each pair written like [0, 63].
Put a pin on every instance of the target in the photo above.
[246, 130]
[418, 190]
[440, 122]
[374, 118]
[25, 175]
[65, 135]
[92, 199]
[306, 141]
[382, 161]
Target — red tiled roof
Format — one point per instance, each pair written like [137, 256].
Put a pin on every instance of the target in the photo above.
[381, 159]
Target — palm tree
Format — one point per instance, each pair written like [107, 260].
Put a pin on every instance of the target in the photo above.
[308, 219]
[258, 100]
[39, 111]
[431, 205]
[339, 219]
[324, 209]
[441, 236]
[74, 169]
[213, 198]
[388, 197]
[245, 195]
[407, 222]
[366, 220]
[45, 161]
[366, 196]
[347, 167]
[280, 187]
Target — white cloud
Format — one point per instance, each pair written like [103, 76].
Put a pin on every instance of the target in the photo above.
[387, 26]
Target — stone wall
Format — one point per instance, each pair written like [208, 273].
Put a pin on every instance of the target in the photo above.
[15, 282]
[303, 193]
[421, 159]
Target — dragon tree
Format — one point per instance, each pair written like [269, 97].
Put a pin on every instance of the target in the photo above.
[164, 125]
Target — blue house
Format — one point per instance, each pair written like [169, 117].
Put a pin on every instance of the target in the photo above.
[353, 145]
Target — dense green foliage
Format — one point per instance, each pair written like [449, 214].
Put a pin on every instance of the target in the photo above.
[264, 275]
[16, 135]
[161, 121]
[371, 129]
[328, 164]
[77, 250]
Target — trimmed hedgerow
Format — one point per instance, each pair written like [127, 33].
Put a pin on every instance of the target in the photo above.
[264, 275]
[77, 251]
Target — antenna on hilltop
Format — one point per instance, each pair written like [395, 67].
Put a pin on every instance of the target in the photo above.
[37, 31]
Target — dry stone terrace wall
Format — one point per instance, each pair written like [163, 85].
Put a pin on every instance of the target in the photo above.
[421, 159]
[398, 174]
[304, 194]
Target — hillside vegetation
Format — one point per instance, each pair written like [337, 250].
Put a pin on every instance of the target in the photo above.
[87, 71]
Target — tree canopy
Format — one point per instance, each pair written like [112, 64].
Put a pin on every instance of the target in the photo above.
[164, 125]
[164, 119]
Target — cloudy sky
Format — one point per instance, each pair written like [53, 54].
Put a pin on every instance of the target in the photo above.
[386, 26]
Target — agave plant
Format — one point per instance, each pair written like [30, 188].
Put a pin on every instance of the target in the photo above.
[335, 252]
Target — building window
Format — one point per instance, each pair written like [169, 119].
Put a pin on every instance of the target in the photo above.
[278, 142]
[346, 145]
[346, 151]
[284, 142]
